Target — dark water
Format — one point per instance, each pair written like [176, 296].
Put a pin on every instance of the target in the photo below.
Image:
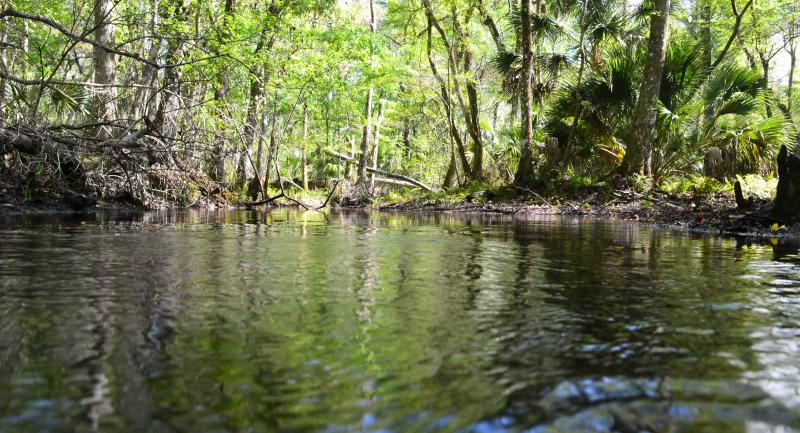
[311, 322]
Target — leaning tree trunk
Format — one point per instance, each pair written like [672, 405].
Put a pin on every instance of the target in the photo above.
[447, 103]
[639, 150]
[787, 196]
[104, 68]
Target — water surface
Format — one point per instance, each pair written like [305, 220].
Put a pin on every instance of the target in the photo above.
[367, 322]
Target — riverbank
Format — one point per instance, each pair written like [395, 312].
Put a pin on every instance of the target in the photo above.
[714, 212]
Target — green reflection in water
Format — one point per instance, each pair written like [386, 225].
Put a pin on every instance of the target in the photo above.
[356, 321]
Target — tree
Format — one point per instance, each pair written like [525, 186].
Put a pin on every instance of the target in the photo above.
[525, 171]
[366, 131]
[104, 104]
[639, 149]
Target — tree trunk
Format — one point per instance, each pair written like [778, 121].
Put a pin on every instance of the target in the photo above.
[567, 157]
[143, 98]
[104, 104]
[251, 123]
[220, 95]
[167, 114]
[475, 127]
[452, 172]
[525, 175]
[376, 139]
[260, 169]
[407, 139]
[4, 66]
[447, 101]
[765, 81]
[471, 118]
[366, 132]
[708, 49]
[304, 150]
[792, 66]
[640, 144]
[472, 129]
[787, 195]
[166, 121]
[272, 149]
[348, 166]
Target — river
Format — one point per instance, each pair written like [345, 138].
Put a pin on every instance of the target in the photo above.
[329, 322]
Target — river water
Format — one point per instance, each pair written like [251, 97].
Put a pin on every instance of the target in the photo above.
[333, 322]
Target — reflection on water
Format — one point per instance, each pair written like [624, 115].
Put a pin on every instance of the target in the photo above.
[349, 322]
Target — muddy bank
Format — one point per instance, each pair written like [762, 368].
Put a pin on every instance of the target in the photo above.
[62, 202]
[716, 213]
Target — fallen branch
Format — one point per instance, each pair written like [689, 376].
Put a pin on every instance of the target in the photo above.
[283, 195]
[388, 181]
[404, 178]
[330, 194]
[263, 202]
[534, 193]
[283, 191]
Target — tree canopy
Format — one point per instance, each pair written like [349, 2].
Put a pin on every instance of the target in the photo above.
[168, 100]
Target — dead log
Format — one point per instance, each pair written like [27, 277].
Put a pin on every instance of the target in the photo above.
[78, 201]
[787, 196]
[383, 173]
[15, 140]
[396, 182]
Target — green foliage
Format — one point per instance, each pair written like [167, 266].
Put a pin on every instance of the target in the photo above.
[695, 184]
[269, 78]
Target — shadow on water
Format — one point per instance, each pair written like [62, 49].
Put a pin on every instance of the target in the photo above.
[286, 321]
